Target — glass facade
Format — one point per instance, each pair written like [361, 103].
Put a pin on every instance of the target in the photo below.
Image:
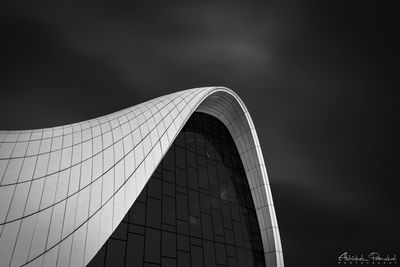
[196, 209]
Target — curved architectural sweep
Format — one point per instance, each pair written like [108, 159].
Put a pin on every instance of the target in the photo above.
[64, 190]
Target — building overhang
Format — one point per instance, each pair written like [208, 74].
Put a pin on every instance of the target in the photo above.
[63, 190]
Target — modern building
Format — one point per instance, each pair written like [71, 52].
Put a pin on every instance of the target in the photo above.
[179, 180]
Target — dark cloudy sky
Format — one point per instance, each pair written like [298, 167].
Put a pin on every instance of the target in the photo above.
[317, 79]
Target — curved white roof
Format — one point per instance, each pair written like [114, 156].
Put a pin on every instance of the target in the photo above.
[64, 190]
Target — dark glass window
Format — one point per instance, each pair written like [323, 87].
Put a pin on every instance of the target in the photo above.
[196, 209]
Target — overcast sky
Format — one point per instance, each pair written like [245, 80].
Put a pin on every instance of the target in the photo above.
[317, 79]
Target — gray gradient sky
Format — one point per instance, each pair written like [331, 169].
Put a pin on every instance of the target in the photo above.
[317, 79]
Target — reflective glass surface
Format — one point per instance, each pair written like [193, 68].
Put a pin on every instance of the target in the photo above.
[196, 209]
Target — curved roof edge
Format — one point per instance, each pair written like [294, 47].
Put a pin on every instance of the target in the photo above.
[63, 190]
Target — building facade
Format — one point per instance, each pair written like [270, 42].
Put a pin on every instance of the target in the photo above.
[179, 180]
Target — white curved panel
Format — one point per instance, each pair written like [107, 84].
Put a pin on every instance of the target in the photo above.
[64, 190]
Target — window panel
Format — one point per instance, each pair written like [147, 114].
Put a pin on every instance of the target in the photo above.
[135, 247]
[183, 259]
[196, 254]
[154, 188]
[192, 178]
[115, 253]
[153, 215]
[139, 216]
[209, 251]
[181, 178]
[203, 178]
[181, 206]
[169, 244]
[180, 157]
[152, 245]
[168, 189]
[168, 210]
